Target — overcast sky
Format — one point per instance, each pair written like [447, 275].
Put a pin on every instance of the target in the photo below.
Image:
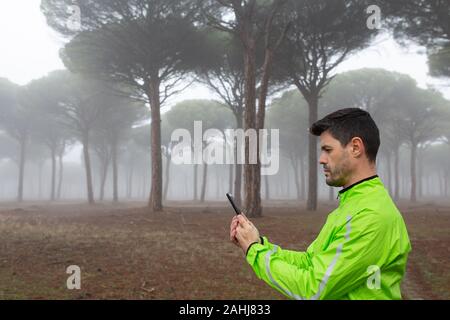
[30, 50]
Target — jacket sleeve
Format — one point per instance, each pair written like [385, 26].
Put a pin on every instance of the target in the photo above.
[300, 259]
[330, 273]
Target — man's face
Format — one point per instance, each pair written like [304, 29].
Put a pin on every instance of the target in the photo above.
[336, 160]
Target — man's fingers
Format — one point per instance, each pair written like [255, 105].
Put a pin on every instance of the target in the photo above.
[243, 220]
[233, 227]
[233, 236]
[239, 230]
[234, 223]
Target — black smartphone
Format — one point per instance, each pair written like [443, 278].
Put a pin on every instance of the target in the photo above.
[236, 209]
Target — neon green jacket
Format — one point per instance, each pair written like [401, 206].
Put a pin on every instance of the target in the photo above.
[360, 253]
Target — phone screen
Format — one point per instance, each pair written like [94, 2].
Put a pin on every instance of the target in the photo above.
[236, 209]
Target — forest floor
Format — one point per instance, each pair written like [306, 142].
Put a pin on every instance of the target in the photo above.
[125, 252]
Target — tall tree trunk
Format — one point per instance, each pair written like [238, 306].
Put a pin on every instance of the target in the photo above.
[302, 177]
[23, 143]
[413, 171]
[40, 165]
[396, 173]
[250, 123]
[195, 182]
[312, 154]
[446, 183]
[288, 182]
[238, 167]
[205, 174]
[87, 166]
[331, 194]
[60, 176]
[218, 183]
[419, 174]
[167, 177]
[115, 171]
[144, 185]
[103, 176]
[127, 184]
[53, 183]
[267, 186]
[260, 117]
[230, 178]
[293, 162]
[404, 185]
[155, 201]
[389, 171]
[130, 182]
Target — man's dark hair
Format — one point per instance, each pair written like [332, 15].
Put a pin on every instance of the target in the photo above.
[345, 124]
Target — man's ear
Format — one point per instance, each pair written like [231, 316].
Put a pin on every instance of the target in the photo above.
[357, 147]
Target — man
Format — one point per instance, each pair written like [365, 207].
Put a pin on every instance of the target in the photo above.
[362, 249]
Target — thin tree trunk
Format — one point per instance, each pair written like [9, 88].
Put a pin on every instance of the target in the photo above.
[115, 171]
[238, 184]
[205, 173]
[103, 179]
[331, 194]
[60, 176]
[290, 186]
[312, 146]
[302, 177]
[130, 182]
[155, 201]
[389, 171]
[40, 180]
[21, 169]
[250, 122]
[397, 176]
[263, 91]
[144, 186]
[195, 182]
[87, 165]
[238, 167]
[167, 177]
[413, 172]
[230, 178]
[419, 175]
[127, 184]
[446, 183]
[267, 186]
[404, 185]
[218, 183]
[53, 182]
[293, 162]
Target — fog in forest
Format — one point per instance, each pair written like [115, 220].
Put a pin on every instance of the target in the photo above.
[83, 132]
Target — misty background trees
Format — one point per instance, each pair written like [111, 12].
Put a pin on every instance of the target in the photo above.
[268, 64]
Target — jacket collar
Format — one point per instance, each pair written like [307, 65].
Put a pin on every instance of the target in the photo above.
[358, 187]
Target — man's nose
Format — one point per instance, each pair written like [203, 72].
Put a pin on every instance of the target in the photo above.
[323, 159]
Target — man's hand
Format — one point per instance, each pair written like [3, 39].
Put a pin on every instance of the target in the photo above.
[242, 232]
[233, 227]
